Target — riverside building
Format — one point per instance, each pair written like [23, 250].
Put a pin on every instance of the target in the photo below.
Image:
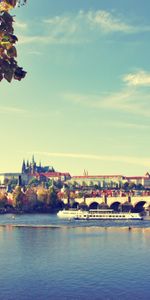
[111, 181]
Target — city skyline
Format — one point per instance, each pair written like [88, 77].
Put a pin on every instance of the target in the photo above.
[85, 102]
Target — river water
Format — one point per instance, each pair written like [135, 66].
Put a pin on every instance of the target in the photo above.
[54, 259]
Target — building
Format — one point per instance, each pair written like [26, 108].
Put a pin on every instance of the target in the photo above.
[102, 181]
[42, 173]
[30, 170]
[6, 177]
[110, 181]
[32, 167]
[140, 180]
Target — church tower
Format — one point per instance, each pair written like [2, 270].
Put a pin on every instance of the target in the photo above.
[23, 167]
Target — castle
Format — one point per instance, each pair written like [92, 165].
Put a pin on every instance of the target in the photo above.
[32, 167]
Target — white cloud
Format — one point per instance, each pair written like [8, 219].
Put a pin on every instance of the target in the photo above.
[127, 100]
[133, 98]
[107, 22]
[140, 78]
[48, 39]
[84, 26]
[111, 158]
[7, 109]
[91, 20]
[58, 20]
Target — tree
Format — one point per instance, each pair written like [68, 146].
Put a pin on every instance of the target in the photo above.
[18, 197]
[33, 182]
[52, 197]
[80, 194]
[9, 68]
[139, 186]
[84, 184]
[41, 203]
[12, 183]
[59, 184]
[132, 185]
[53, 201]
[3, 200]
[42, 195]
[31, 199]
[125, 186]
[48, 183]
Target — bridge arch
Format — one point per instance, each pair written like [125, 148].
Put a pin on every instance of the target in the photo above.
[60, 204]
[75, 204]
[94, 205]
[115, 206]
[139, 206]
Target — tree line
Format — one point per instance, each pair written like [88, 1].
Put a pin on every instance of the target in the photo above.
[31, 200]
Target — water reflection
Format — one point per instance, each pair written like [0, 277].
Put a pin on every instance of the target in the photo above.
[73, 262]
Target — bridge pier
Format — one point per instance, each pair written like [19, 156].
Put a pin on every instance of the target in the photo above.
[129, 199]
[105, 199]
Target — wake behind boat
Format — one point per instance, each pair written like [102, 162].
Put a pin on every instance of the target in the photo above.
[97, 214]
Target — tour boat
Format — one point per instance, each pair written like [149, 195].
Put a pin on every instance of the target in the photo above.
[97, 214]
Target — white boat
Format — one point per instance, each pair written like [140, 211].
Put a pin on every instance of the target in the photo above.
[97, 214]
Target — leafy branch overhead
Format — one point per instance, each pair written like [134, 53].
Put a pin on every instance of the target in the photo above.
[9, 68]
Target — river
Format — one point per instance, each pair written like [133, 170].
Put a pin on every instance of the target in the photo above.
[42, 258]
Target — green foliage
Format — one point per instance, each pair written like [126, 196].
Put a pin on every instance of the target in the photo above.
[12, 183]
[80, 194]
[125, 186]
[52, 197]
[33, 182]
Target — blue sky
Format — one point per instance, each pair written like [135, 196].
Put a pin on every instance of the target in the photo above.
[85, 102]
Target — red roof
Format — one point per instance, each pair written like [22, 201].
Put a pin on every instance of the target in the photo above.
[98, 176]
[51, 174]
[109, 176]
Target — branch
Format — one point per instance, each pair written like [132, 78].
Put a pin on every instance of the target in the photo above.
[9, 68]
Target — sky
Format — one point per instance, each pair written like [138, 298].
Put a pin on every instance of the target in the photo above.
[85, 102]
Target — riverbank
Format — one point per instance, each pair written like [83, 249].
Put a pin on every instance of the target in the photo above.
[18, 211]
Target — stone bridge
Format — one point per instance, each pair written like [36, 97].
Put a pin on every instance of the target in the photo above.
[134, 201]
